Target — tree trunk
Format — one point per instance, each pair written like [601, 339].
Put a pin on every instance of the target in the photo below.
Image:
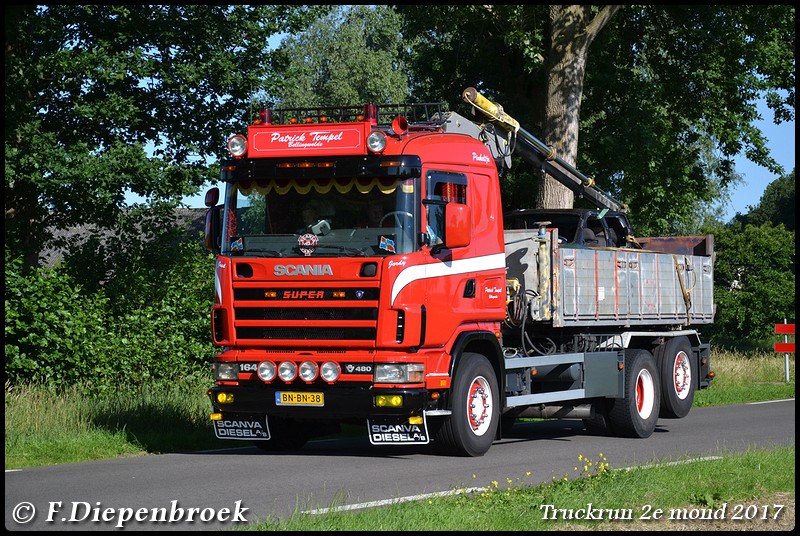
[572, 30]
[23, 222]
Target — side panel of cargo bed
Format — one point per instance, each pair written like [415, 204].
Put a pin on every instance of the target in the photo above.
[587, 286]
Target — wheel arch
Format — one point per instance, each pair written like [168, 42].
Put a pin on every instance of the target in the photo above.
[651, 341]
[486, 344]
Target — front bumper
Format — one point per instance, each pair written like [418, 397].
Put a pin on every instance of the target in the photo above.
[340, 402]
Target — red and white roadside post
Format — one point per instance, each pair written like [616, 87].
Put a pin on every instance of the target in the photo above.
[786, 347]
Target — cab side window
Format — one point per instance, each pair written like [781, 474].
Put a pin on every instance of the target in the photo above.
[442, 187]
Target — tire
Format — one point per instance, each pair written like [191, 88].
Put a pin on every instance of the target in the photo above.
[471, 427]
[285, 434]
[636, 414]
[678, 377]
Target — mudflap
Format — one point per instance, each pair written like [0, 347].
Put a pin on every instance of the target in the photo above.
[242, 426]
[397, 431]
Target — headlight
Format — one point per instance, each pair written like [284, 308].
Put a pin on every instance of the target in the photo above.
[266, 371]
[226, 371]
[237, 145]
[399, 373]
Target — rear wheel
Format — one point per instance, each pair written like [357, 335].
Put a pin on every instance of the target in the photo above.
[636, 414]
[471, 427]
[678, 377]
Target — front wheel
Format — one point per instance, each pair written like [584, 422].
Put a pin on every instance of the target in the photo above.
[678, 377]
[471, 427]
[636, 414]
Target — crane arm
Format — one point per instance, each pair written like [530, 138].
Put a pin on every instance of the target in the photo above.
[540, 154]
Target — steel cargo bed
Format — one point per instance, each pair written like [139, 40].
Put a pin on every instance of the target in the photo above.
[601, 286]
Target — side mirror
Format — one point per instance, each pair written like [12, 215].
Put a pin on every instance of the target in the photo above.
[212, 197]
[213, 228]
[458, 225]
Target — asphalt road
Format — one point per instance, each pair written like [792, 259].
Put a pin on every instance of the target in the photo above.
[222, 489]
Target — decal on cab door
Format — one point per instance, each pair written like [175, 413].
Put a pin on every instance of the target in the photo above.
[444, 269]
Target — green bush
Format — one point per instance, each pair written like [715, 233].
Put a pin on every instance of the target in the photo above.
[754, 283]
[59, 334]
[54, 333]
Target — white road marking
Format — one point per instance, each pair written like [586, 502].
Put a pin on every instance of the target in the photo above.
[386, 502]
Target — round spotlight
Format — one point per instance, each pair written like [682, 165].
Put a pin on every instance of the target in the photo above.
[376, 141]
[330, 371]
[308, 371]
[266, 371]
[237, 145]
[287, 371]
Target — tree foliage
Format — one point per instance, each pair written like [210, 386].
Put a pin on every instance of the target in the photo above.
[754, 271]
[776, 206]
[672, 99]
[105, 98]
[754, 279]
[353, 55]
[670, 92]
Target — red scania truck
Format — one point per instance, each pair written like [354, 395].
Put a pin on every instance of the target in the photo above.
[364, 275]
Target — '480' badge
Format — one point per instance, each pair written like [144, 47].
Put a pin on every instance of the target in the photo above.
[308, 243]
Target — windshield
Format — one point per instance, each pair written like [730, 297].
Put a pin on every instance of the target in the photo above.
[321, 217]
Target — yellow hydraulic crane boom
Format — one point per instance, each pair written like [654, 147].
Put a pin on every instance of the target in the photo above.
[538, 153]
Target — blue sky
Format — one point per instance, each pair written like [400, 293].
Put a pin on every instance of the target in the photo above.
[782, 144]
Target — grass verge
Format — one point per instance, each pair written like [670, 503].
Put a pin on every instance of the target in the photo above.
[44, 427]
[741, 491]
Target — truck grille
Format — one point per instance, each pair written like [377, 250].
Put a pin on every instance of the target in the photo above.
[306, 314]
[306, 334]
[303, 314]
